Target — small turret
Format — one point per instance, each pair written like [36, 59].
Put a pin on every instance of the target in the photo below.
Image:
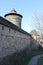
[13, 11]
[14, 18]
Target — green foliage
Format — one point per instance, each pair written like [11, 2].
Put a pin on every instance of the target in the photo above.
[20, 58]
[40, 61]
[27, 58]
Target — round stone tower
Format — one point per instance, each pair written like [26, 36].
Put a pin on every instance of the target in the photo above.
[14, 18]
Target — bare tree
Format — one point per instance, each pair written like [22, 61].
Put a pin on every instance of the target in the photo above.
[38, 20]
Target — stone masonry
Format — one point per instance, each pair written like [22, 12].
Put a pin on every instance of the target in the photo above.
[12, 41]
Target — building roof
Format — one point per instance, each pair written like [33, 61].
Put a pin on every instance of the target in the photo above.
[13, 12]
[7, 23]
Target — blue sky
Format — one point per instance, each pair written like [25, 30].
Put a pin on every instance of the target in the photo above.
[27, 8]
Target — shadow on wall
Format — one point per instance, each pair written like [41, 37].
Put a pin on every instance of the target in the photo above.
[15, 58]
[18, 57]
[35, 45]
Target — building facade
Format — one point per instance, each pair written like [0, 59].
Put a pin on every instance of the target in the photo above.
[35, 35]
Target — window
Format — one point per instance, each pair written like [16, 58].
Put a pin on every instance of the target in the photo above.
[14, 31]
[2, 27]
[9, 29]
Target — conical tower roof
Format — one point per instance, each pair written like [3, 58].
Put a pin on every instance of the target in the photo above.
[13, 12]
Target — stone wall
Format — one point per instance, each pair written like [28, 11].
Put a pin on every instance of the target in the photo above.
[14, 19]
[12, 41]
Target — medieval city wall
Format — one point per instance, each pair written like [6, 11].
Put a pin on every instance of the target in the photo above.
[12, 41]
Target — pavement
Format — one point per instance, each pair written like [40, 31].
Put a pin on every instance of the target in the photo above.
[34, 60]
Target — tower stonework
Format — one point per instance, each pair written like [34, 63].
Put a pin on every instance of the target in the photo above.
[14, 18]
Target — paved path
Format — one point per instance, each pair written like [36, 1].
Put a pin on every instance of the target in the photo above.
[34, 60]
